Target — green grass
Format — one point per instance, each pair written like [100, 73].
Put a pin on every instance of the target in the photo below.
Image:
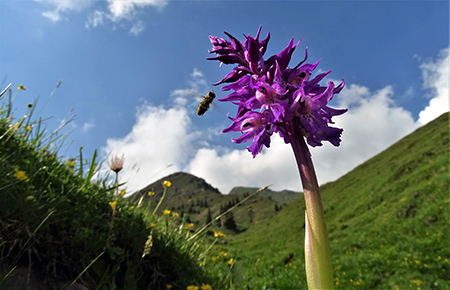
[57, 221]
[388, 223]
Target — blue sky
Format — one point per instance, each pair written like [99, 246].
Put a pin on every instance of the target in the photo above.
[125, 68]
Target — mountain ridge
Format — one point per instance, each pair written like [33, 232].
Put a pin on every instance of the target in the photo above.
[198, 201]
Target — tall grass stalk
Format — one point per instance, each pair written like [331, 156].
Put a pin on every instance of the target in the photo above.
[85, 269]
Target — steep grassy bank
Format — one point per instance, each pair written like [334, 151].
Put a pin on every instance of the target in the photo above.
[65, 227]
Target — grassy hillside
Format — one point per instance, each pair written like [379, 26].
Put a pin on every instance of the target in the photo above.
[58, 226]
[388, 223]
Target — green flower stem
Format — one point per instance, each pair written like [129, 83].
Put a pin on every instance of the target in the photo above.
[314, 211]
[159, 203]
[312, 275]
[116, 184]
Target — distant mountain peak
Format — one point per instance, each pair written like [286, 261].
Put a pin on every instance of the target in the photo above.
[191, 179]
[182, 183]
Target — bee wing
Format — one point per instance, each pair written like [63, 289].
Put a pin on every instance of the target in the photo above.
[194, 95]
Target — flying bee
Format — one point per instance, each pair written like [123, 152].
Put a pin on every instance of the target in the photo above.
[204, 105]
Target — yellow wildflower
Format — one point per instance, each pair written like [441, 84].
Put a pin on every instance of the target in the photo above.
[175, 214]
[206, 287]
[223, 254]
[214, 258]
[201, 263]
[192, 287]
[166, 212]
[166, 183]
[71, 162]
[219, 235]
[403, 199]
[28, 128]
[22, 87]
[188, 226]
[123, 192]
[230, 262]
[19, 174]
[168, 286]
[113, 205]
[151, 193]
[132, 207]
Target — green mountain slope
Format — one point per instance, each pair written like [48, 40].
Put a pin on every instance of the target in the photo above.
[194, 198]
[388, 223]
[283, 197]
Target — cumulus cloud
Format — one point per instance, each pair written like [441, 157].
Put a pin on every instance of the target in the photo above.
[435, 78]
[160, 137]
[225, 168]
[111, 11]
[373, 123]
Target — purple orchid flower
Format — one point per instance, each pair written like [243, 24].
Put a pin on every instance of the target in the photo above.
[288, 98]
[273, 98]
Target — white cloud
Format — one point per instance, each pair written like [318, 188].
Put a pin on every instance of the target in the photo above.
[127, 9]
[225, 169]
[160, 137]
[58, 8]
[87, 126]
[435, 79]
[373, 123]
[137, 28]
[95, 19]
[114, 11]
